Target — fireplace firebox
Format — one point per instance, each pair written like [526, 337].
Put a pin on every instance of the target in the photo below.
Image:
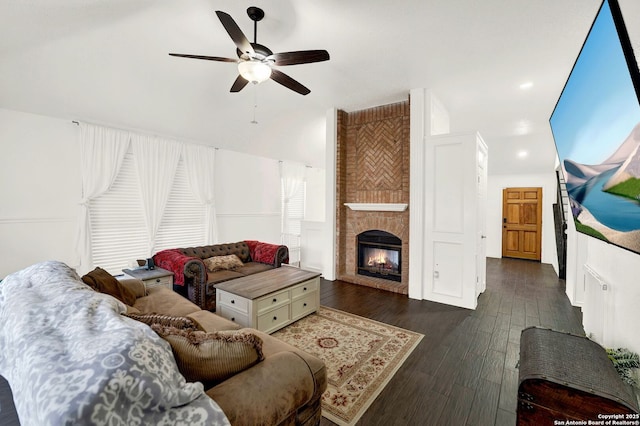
[380, 255]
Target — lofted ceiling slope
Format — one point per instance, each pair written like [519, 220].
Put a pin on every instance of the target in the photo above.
[107, 62]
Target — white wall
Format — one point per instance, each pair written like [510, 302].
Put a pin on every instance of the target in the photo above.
[40, 188]
[495, 185]
[315, 199]
[247, 197]
[619, 269]
[312, 238]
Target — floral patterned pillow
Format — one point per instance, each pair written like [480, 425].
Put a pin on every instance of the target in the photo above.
[218, 263]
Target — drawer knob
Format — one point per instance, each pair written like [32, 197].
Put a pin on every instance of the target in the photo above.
[233, 301]
[304, 289]
[275, 300]
[157, 280]
[304, 304]
[275, 318]
[233, 318]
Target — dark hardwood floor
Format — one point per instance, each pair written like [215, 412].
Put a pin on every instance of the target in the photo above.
[464, 371]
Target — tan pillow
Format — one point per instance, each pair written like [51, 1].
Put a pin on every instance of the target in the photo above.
[218, 263]
[214, 356]
[183, 323]
[102, 281]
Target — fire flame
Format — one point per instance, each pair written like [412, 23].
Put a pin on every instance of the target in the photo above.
[378, 258]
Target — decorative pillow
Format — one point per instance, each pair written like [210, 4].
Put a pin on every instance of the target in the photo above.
[214, 356]
[184, 323]
[102, 281]
[218, 263]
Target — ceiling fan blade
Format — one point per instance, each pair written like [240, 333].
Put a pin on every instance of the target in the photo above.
[239, 84]
[208, 58]
[288, 82]
[300, 57]
[235, 32]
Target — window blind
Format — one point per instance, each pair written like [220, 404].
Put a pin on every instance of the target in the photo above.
[118, 233]
[183, 219]
[292, 226]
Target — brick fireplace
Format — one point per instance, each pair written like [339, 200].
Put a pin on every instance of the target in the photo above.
[373, 170]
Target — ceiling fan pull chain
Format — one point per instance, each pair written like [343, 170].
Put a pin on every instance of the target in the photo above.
[255, 103]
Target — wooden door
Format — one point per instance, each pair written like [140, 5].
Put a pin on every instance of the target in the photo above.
[522, 223]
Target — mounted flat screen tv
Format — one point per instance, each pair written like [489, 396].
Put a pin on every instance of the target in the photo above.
[596, 128]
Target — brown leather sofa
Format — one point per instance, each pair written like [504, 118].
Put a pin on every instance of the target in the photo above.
[285, 388]
[193, 280]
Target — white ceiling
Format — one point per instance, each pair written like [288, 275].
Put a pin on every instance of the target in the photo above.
[107, 62]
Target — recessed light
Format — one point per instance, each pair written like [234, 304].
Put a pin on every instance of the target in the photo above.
[526, 85]
[523, 154]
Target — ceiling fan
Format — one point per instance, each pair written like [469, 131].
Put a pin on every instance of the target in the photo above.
[255, 61]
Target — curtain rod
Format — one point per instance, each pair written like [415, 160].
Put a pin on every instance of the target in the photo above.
[142, 132]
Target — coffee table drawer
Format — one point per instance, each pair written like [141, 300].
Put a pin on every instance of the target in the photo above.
[273, 320]
[238, 303]
[272, 301]
[303, 306]
[305, 288]
[235, 316]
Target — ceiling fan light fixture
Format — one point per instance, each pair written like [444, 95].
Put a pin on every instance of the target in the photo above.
[254, 71]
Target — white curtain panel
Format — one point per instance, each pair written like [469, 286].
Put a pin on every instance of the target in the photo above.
[101, 153]
[200, 165]
[292, 176]
[157, 160]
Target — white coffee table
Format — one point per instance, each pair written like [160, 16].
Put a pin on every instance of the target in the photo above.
[269, 300]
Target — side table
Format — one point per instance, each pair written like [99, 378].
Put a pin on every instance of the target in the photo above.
[152, 277]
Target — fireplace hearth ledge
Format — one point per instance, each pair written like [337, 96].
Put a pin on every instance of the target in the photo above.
[377, 207]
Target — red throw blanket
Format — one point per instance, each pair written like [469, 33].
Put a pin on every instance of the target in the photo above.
[263, 252]
[172, 260]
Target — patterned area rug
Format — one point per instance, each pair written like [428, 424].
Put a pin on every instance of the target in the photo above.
[361, 356]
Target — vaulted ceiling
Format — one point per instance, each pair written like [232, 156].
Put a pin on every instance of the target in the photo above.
[107, 62]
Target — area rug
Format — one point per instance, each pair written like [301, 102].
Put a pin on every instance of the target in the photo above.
[361, 356]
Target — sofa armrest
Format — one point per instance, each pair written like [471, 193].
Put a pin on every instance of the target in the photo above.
[271, 254]
[271, 390]
[175, 261]
[195, 278]
[282, 256]
[188, 271]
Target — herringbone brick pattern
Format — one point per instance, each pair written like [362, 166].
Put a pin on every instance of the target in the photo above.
[379, 156]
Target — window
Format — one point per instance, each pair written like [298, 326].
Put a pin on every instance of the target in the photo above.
[118, 231]
[292, 224]
[183, 220]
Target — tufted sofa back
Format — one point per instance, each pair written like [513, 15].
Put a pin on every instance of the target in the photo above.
[240, 249]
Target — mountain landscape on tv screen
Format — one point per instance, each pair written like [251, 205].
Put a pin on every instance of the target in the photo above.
[605, 197]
